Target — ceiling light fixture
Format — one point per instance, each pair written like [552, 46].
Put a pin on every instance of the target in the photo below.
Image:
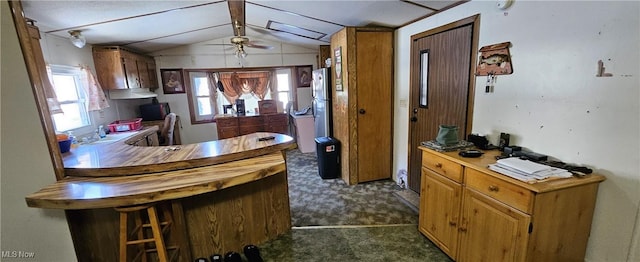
[240, 53]
[77, 39]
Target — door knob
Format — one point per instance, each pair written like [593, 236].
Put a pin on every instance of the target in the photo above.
[362, 111]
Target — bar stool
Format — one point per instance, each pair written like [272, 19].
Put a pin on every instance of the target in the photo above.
[148, 232]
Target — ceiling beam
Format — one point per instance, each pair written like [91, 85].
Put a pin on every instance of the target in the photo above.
[236, 10]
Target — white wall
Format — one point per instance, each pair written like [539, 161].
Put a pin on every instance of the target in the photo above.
[204, 56]
[553, 103]
[26, 165]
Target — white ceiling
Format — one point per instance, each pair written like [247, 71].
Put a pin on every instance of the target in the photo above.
[153, 25]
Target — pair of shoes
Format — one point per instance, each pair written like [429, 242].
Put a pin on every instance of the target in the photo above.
[232, 257]
[252, 253]
[216, 258]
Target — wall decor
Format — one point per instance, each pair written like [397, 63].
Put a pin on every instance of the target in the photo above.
[172, 81]
[304, 76]
[338, 56]
[495, 60]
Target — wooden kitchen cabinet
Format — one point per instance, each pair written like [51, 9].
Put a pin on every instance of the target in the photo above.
[118, 68]
[144, 138]
[242, 125]
[475, 214]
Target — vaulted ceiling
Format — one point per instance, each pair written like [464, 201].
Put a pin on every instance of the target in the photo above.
[154, 25]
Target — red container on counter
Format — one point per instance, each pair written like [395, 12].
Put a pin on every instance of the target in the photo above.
[125, 125]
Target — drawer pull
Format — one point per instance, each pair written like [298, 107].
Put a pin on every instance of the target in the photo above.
[494, 188]
[438, 165]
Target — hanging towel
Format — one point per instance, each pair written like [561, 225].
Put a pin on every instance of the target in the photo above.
[96, 98]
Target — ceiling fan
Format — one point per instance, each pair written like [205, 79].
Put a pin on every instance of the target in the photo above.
[239, 42]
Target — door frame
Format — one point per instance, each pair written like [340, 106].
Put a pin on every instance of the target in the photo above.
[414, 72]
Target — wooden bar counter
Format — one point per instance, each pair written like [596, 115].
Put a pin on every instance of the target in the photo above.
[224, 194]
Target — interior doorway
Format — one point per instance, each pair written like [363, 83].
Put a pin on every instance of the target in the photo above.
[441, 85]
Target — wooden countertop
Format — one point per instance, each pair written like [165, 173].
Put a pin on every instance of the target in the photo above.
[120, 159]
[489, 157]
[104, 192]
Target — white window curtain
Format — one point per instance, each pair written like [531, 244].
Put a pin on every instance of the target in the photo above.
[95, 95]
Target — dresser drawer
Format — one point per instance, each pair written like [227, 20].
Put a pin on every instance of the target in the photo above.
[227, 122]
[250, 121]
[503, 191]
[442, 166]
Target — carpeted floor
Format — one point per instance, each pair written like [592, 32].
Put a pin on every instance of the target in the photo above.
[373, 221]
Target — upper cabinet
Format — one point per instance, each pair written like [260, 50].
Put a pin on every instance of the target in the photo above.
[118, 68]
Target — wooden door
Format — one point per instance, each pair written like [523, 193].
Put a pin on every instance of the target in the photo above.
[442, 59]
[374, 57]
[440, 200]
[491, 231]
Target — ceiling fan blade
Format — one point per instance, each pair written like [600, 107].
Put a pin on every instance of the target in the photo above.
[254, 45]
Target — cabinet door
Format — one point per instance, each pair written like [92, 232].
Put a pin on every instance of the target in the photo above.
[153, 77]
[440, 200]
[109, 69]
[278, 123]
[227, 127]
[143, 72]
[491, 231]
[131, 70]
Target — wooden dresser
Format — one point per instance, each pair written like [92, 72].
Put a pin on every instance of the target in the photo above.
[475, 214]
[242, 125]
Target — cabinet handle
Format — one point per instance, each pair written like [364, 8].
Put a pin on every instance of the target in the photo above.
[494, 188]
[438, 165]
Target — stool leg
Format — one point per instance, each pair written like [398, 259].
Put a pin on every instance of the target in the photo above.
[142, 249]
[157, 234]
[123, 237]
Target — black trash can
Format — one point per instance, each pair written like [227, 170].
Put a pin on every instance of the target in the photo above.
[328, 151]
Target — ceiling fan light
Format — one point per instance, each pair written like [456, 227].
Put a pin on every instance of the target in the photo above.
[77, 39]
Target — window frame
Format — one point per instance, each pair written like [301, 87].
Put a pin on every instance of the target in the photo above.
[82, 100]
[293, 95]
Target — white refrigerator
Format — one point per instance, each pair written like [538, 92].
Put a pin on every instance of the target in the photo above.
[321, 92]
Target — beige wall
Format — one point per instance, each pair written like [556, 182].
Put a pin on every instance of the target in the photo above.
[553, 103]
[25, 162]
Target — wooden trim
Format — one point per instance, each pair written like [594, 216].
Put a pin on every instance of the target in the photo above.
[37, 85]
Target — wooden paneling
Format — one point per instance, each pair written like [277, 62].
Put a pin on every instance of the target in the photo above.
[324, 52]
[215, 222]
[341, 102]
[229, 219]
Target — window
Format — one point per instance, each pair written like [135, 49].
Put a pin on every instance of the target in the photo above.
[207, 97]
[72, 98]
